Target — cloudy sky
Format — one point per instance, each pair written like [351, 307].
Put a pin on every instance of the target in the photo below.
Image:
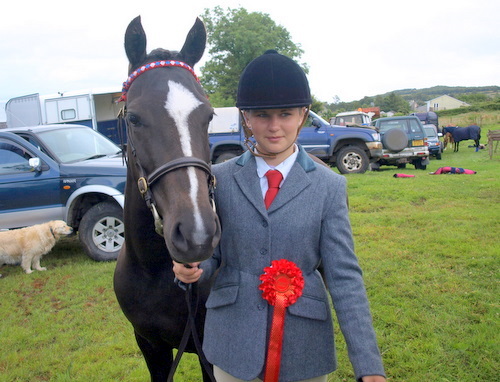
[353, 48]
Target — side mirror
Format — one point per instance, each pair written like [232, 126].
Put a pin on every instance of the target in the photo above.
[35, 164]
[440, 134]
[316, 123]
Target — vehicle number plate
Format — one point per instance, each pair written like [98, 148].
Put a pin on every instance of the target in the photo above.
[418, 143]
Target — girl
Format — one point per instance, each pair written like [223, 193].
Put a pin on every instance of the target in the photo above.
[305, 226]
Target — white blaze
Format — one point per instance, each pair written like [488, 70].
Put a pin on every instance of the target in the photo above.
[180, 104]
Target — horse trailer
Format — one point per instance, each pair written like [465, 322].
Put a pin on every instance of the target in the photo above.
[95, 109]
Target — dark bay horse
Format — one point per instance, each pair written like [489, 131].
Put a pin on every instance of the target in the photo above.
[454, 134]
[168, 183]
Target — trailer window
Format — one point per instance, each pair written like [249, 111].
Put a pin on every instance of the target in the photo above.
[68, 114]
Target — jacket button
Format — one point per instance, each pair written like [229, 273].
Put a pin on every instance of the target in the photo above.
[264, 224]
[263, 251]
[261, 307]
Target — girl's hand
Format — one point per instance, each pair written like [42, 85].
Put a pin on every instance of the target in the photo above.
[187, 274]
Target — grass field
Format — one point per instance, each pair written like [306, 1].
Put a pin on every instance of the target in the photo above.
[428, 245]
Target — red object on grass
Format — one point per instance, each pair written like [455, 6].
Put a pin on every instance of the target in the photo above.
[403, 176]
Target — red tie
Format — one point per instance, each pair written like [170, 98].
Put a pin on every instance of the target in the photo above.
[274, 179]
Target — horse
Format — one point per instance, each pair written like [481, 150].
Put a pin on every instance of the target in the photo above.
[169, 213]
[455, 134]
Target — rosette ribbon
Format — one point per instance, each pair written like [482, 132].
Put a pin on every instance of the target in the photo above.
[282, 284]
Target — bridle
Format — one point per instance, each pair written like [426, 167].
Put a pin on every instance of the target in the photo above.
[146, 181]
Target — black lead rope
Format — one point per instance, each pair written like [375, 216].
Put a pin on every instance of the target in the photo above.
[190, 329]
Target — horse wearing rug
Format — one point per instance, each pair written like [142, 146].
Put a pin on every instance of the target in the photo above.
[168, 211]
[454, 134]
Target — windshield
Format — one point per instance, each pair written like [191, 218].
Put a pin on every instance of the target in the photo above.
[75, 144]
[345, 120]
[392, 124]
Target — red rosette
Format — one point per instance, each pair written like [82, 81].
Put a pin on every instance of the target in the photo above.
[282, 284]
[283, 277]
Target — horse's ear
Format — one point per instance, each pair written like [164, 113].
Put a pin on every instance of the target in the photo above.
[135, 43]
[194, 46]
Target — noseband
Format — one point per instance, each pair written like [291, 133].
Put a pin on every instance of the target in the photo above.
[145, 182]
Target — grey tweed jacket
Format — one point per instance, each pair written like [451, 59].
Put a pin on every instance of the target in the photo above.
[308, 224]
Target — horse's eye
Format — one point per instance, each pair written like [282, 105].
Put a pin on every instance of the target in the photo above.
[133, 119]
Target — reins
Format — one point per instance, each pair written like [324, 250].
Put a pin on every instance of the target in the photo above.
[190, 329]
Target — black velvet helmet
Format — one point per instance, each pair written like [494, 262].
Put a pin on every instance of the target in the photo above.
[273, 81]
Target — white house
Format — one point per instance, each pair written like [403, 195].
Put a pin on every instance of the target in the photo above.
[444, 102]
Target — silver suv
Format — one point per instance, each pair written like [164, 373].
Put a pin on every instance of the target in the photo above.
[403, 141]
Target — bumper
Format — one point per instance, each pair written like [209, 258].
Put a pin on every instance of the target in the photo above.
[405, 156]
[434, 150]
[375, 150]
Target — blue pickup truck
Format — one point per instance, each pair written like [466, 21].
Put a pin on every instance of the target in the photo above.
[350, 149]
[64, 172]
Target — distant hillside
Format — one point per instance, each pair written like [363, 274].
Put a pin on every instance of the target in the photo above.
[422, 95]
[398, 100]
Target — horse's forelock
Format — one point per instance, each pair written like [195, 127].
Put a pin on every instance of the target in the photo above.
[163, 54]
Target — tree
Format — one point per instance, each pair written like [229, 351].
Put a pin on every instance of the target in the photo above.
[235, 37]
[394, 102]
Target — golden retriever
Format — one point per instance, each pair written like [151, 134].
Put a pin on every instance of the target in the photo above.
[26, 246]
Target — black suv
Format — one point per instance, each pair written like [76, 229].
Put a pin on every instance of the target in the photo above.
[64, 172]
[403, 141]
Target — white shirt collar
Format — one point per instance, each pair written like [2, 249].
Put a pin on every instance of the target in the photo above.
[284, 167]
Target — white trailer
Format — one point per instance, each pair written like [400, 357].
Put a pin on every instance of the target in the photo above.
[96, 109]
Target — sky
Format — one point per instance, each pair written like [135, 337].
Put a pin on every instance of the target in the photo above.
[353, 48]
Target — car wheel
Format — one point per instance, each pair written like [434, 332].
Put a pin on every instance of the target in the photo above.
[438, 156]
[395, 140]
[225, 157]
[418, 165]
[375, 166]
[101, 231]
[401, 165]
[351, 160]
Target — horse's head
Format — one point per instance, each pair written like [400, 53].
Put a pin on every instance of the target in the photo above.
[167, 114]
[447, 138]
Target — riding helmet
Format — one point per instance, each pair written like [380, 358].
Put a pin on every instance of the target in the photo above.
[272, 81]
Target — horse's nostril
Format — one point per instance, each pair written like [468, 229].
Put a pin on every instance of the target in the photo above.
[179, 239]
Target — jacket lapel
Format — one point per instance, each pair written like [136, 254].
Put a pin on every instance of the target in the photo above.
[296, 181]
[248, 181]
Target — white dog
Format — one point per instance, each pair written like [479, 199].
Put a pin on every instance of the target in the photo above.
[26, 246]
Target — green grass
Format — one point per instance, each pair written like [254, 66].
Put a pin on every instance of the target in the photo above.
[428, 246]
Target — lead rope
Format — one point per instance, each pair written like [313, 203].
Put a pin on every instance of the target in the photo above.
[190, 329]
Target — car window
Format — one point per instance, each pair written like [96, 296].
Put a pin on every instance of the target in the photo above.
[414, 126]
[13, 158]
[77, 144]
[308, 122]
[395, 124]
[355, 119]
[430, 132]
[35, 143]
